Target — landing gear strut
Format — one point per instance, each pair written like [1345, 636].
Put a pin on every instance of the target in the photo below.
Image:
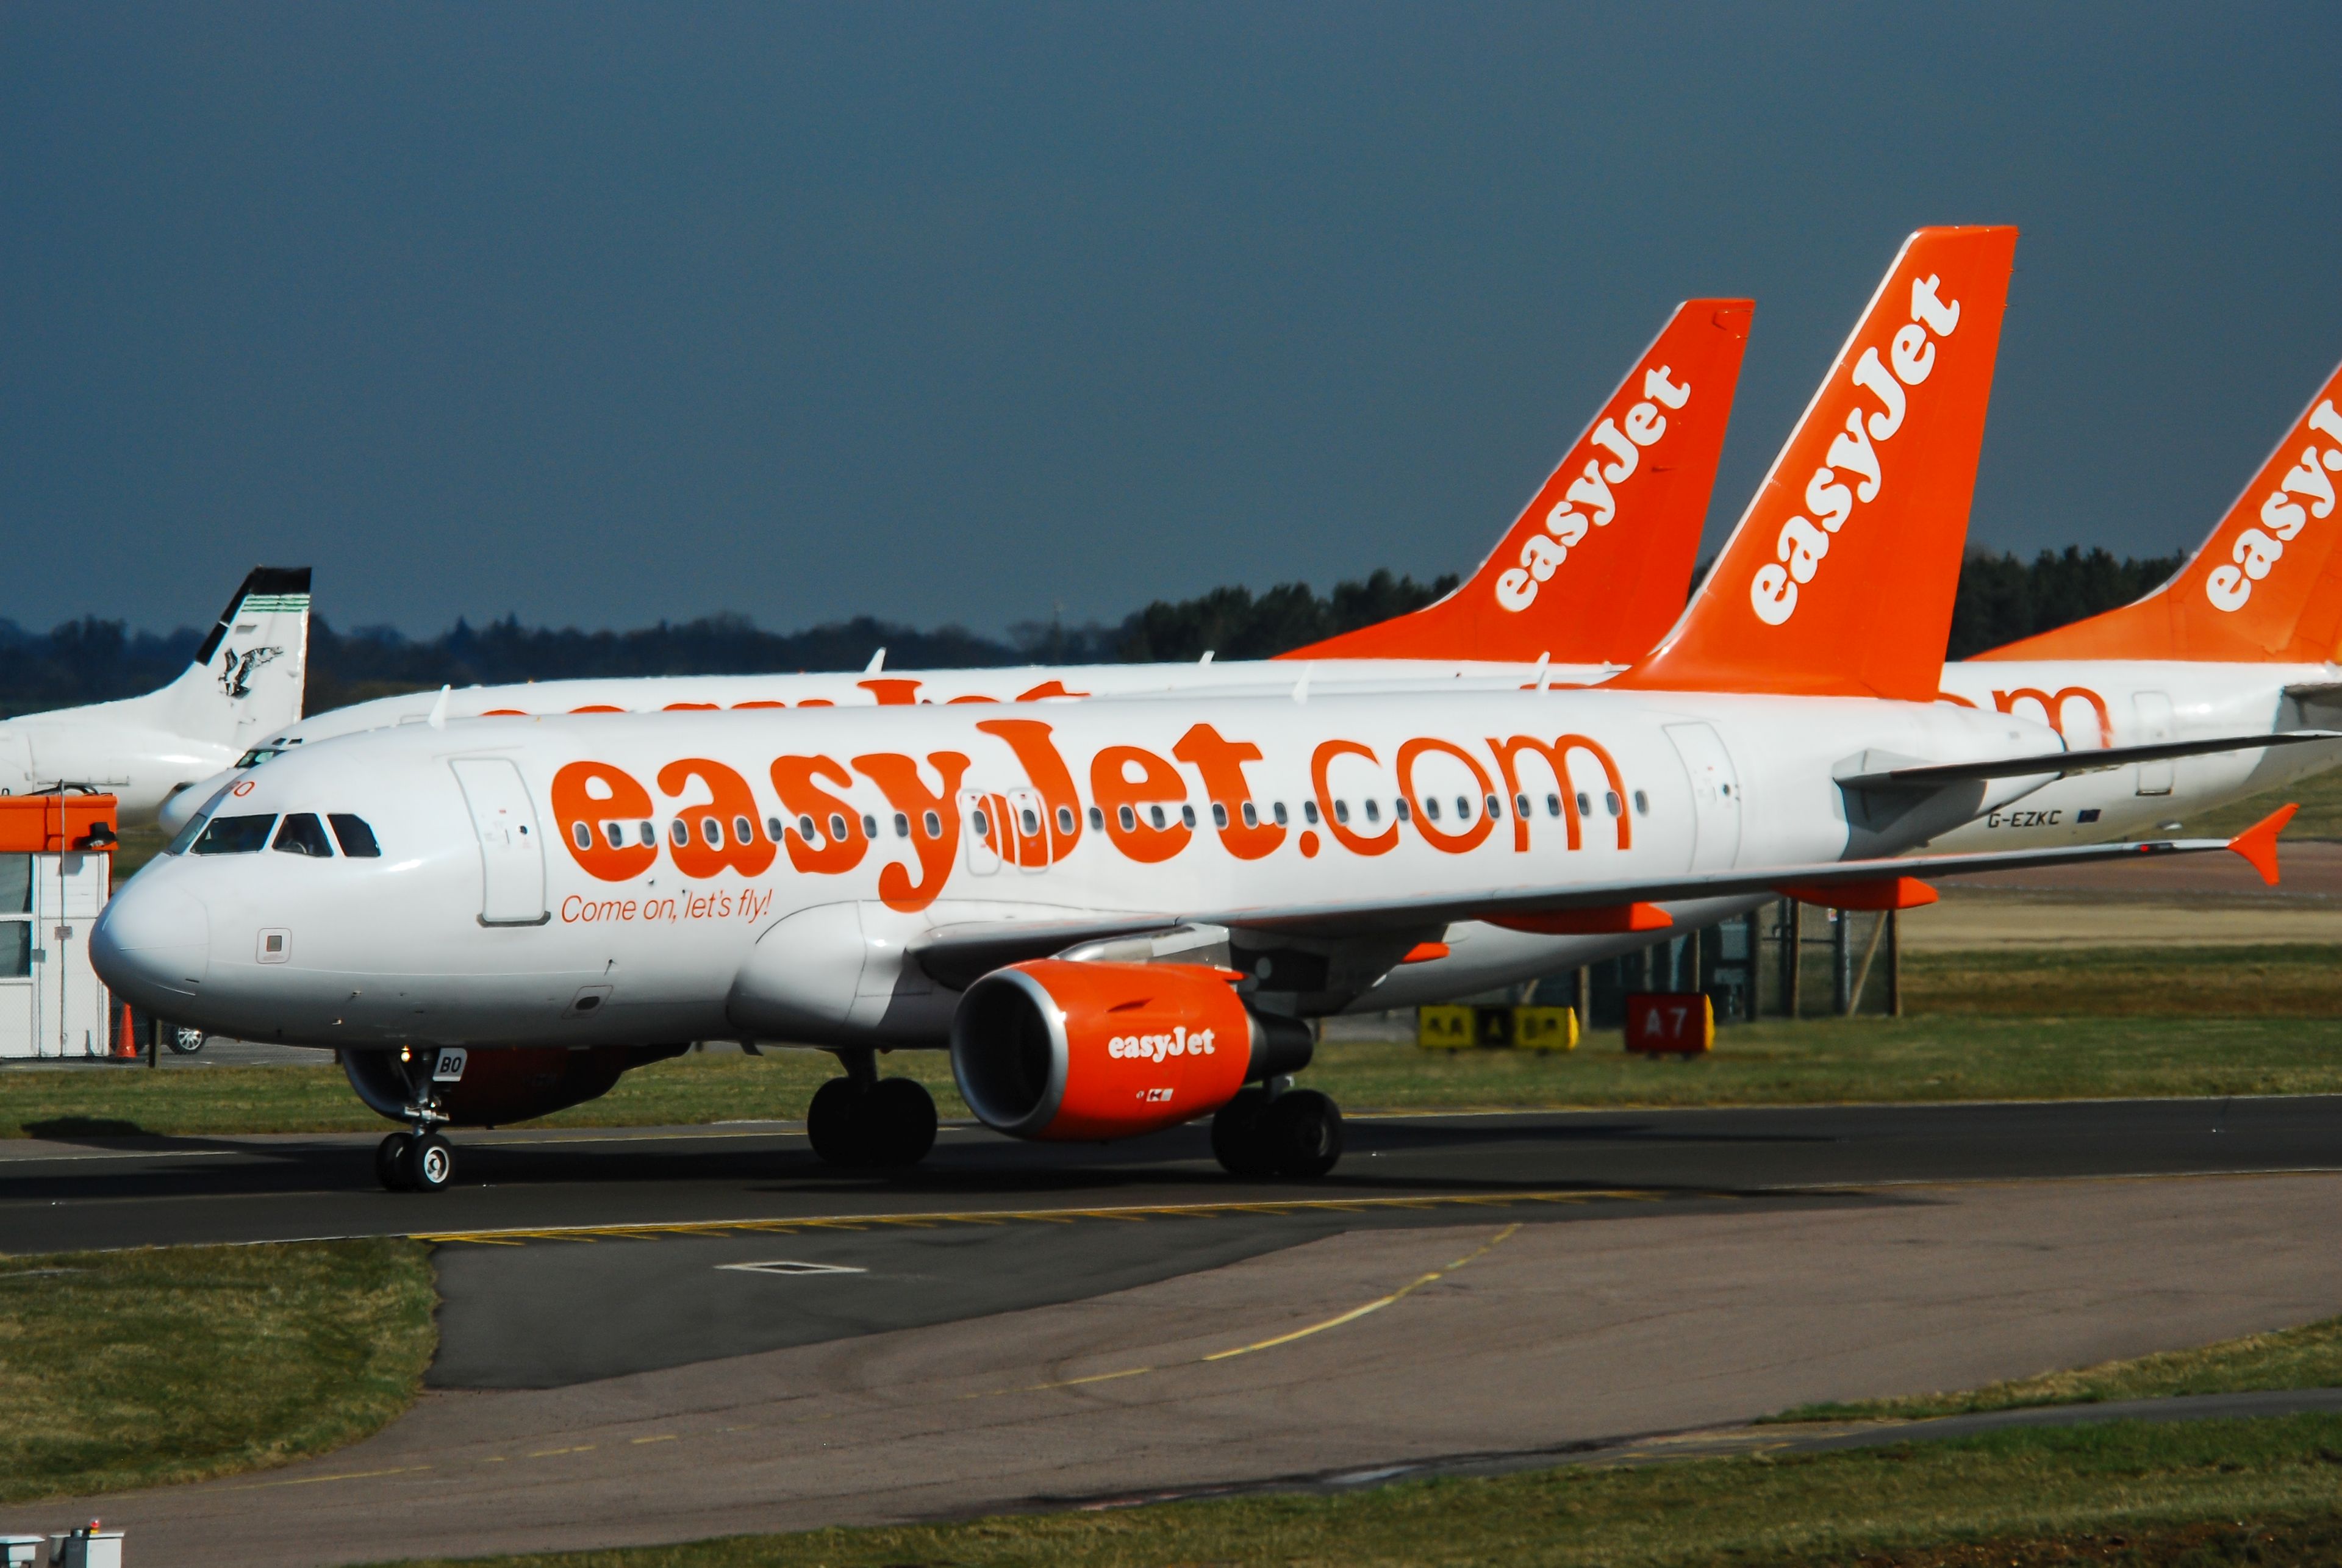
[419, 1159]
[868, 1122]
[1277, 1131]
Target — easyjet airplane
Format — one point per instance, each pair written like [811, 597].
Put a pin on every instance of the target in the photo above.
[1117, 916]
[2242, 638]
[244, 684]
[1589, 574]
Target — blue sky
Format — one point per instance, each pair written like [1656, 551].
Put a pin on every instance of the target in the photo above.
[952, 313]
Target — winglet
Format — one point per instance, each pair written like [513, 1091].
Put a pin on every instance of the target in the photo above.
[2258, 843]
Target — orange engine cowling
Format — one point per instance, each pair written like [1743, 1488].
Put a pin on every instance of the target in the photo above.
[1063, 1050]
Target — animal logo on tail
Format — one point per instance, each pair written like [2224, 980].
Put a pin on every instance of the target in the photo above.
[236, 669]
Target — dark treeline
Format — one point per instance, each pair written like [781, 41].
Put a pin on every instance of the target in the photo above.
[2001, 598]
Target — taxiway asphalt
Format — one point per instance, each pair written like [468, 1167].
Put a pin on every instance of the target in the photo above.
[1017, 1326]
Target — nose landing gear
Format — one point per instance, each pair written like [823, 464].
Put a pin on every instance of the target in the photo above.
[418, 1162]
[419, 1159]
[868, 1123]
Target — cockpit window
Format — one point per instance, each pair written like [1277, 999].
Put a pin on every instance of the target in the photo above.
[303, 834]
[258, 755]
[235, 834]
[356, 838]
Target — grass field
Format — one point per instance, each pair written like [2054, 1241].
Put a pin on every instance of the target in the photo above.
[136, 1368]
[1984, 1026]
[2265, 1492]
[2319, 797]
[2309, 1356]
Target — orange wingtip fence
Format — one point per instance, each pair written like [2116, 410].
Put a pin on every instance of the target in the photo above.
[2258, 843]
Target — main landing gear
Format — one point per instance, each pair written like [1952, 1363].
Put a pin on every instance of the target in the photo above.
[1277, 1131]
[864, 1122]
[419, 1159]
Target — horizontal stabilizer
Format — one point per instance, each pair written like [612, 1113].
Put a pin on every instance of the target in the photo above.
[2064, 764]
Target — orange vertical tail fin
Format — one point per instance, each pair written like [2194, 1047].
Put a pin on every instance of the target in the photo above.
[2267, 586]
[1596, 566]
[1839, 578]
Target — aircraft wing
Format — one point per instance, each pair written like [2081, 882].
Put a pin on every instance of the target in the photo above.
[2063, 765]
[949, 952]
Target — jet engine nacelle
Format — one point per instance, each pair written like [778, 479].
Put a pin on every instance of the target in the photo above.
[499, 1086]
[1062, 1050]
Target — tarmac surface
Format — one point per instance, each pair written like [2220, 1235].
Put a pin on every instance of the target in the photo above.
[1016, 1327]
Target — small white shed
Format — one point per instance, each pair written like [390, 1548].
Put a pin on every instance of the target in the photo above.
[56, 867]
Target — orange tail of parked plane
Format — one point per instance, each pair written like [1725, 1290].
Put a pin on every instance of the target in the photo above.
[2267, 586]
[1840, 579]
[1596, 566]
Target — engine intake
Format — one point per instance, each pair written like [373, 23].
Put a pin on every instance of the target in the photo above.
[1060, 1050]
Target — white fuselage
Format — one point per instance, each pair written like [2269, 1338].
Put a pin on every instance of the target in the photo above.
[2099, 703]
[841, 836]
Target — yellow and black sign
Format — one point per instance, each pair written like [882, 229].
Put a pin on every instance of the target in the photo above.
[1461, 1028]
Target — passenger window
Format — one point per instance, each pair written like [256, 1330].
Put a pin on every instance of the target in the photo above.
[1520, 805]
[1309, 812]
[616, 832]
[805, 831]
[1128, 818]
[647, 831]
[1251, 817]
[1066, 820]
[743, 831]
[1220, 815]
[1277, 811]
[869, 826]
[235, 834]
[710, 830]
[773, 829]
[1097, 820]
[1187, 816]
[1643, 803]
[1585, 806]
[1155, 816]
[1610, 799]
[1463, 809]
[353, 835]
[1553, 805]
[1031, 821]
[902, 825]
[582, 834]
[1402, 810]
[1430, 809]
[836, 828]
[1495, 808]
[1374, 811]
[982, 823]
[303, 834]
[679, 831]
[933, 824]
[1342, 810]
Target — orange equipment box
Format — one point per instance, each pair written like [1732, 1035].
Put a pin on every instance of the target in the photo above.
[56, 824]
[1682, 1022]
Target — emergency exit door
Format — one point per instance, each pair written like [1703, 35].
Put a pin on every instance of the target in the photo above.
[1715, 795]
[512, 851]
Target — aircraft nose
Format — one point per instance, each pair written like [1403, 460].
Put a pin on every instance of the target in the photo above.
[152, 944]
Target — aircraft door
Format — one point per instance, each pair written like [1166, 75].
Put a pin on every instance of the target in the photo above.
[1715, 795]
[2155, 727]
[512, 851]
